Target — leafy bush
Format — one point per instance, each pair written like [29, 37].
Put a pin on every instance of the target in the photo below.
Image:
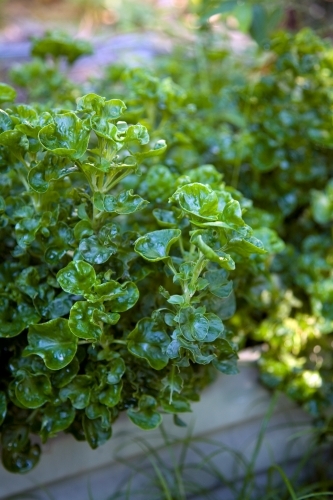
[110, 301]
[131, 271]
[267, 125]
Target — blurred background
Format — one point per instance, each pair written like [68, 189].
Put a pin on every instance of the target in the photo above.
[140, 30]
[20, 19]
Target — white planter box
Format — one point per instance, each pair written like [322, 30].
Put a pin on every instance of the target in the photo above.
[231, 411]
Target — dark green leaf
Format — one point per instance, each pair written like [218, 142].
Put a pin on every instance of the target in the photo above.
[6, 122]
[21, 461]
[77, 277]
[78, 391]
[116, 370]
[110, 396]
[56, 419]
[49, 169]
[33, 391]
[83, 229]
[119, 297]
[96, 410]
[14, 321]
[178, 404]
[193, 325]
[94, 252]
[218, 283]
[95, 432]
[165, 218]
[146, 416]
[3, 406]
[53, 341]
[63, 377]
[149, 341]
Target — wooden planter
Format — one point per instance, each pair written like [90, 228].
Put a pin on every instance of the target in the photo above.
[231, 411]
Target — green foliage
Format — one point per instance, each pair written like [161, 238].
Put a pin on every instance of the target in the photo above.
[266, 125]
[255, 17]
[131, 270]
[109, 296]
[59, 45]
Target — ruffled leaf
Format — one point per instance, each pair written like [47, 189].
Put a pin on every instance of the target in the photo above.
[149, 341]
[53, 342]
[156, 245]
[146, 416]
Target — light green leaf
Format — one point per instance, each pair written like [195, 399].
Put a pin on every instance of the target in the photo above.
[90, 103]
[58, 44]
[156, 245]
[246, 246]
[28, 121]
[15, 141]
[137, 134]
[82, 322]
[221, 258]
[7, 93]
[158, 149]
[243, 13]
[67, 136]
[97, 105]
[77, 277]
[178, 404]
[125, 203]
[197, 200]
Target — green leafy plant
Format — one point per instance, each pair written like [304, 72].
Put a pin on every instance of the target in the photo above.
[131, 270]
[110, 301]
[266, 125]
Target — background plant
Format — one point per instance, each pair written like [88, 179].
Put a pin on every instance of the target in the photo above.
[267, 126]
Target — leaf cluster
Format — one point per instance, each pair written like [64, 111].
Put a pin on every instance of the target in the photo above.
[266, 126]
[118, 268]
